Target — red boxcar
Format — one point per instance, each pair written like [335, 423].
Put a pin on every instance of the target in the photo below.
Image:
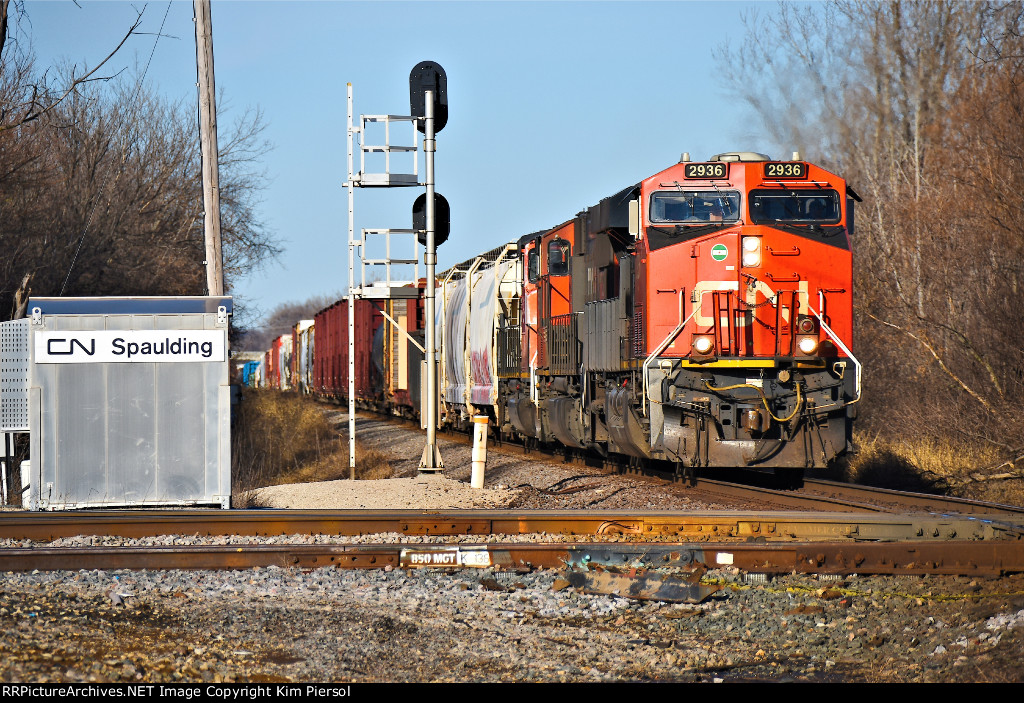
[330, 368]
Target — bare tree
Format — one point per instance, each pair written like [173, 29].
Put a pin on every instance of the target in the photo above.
[920, 105]
[38, 97]
[114, 203]
[100, 183]
[282, 318]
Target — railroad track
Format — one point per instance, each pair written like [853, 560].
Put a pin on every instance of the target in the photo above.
[824, 527]
[946, 558]
[659, 525]
[818, 494]
[892, 500]
[836, 543]
[814, 494]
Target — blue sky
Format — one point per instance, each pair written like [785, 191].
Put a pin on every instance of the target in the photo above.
[552, 105]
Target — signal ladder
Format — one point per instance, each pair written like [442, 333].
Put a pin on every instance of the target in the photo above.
[372, 285]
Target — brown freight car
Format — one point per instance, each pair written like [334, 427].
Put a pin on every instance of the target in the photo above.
[331, 345]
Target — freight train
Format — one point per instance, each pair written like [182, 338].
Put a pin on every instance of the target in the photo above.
[702, 316]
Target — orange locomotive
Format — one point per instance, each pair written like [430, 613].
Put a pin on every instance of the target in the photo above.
[702, 316]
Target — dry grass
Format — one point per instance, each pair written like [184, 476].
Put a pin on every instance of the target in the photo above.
[281, 438]
[931, 467]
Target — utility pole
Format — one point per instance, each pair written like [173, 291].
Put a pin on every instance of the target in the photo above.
[208, 140]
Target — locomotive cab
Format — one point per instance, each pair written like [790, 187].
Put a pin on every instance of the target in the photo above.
[748, 359]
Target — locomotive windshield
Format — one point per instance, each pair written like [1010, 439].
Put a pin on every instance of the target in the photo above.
[695, 207]
[795, 206]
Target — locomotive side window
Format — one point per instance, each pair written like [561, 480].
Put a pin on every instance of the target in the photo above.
[695, 207]
[796, 206]
[533, 265]
[558, 257]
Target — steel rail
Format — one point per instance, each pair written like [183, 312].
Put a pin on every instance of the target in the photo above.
[957, 558]
[787, 498]
[924, 501]
[819, 494]
[694, 525]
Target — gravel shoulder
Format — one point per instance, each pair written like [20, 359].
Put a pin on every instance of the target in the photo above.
[512, 480]
[427, 492]
[276, 625]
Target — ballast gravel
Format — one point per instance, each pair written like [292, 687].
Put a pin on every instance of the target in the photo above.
[281, 625]
[275, 625]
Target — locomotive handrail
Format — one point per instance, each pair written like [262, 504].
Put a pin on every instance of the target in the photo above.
[668, 340]
[839, 343]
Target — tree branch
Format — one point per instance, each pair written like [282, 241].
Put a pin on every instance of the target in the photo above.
[931, 350]
[30, 114]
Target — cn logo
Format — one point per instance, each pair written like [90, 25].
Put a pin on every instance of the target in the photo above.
[58, 346]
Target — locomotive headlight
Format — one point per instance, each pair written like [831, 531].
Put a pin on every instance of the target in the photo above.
[807, 345]
[751, 251]
[703, 344]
